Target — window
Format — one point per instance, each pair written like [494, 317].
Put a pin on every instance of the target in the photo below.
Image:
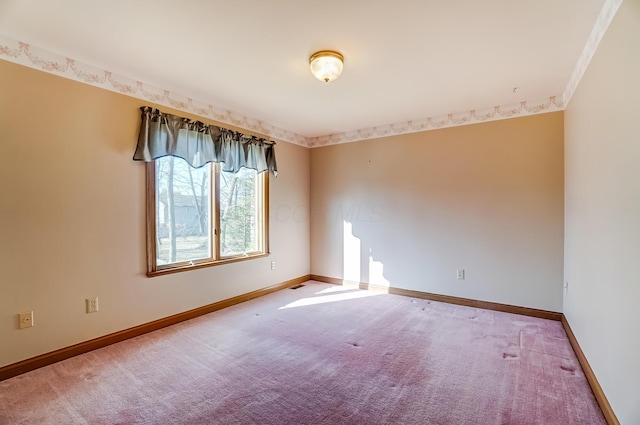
[207, 192]
[199, 217]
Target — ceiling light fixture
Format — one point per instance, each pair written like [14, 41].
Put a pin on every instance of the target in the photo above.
[326, 65]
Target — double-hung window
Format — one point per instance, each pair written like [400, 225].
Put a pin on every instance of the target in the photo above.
[208, 214]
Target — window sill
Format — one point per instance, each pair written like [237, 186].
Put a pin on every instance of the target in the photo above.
[186, 267]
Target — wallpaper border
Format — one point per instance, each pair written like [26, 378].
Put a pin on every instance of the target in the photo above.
[32, 56]
[597, 33]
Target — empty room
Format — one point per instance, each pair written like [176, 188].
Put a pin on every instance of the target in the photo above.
[408, 212]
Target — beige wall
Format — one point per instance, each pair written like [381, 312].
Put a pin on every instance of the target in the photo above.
[602, 235]
[407, 211]
[72, 220]
[404, 211]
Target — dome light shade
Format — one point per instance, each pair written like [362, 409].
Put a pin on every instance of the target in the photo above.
[326, 65]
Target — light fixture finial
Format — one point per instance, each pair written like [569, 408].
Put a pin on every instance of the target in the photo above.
[326, 65]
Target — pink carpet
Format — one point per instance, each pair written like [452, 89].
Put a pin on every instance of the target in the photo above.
[320, 354]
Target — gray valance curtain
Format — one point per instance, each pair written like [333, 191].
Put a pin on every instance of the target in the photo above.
[198, 143]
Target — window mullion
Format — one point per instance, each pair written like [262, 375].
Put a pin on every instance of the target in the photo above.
[259, 196]
[264, 209]
[215, 208]
[152, 214]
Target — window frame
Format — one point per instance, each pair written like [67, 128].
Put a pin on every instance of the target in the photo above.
[153, 269]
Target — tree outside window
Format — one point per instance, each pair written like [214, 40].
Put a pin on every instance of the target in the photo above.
[205, 216]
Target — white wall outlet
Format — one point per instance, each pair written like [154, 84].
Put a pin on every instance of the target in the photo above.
[26, 319]
[273, 265]
[92, 305]
[566, 286]
[460, 274]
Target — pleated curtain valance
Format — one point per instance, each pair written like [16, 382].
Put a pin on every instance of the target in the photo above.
[198, 143]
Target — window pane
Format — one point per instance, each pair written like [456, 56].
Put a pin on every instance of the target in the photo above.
[238, 212]
[182, 211]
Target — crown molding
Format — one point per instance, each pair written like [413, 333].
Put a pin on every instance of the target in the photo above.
[31, 56]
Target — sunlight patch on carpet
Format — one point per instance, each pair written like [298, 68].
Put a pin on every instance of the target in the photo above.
[330, 298]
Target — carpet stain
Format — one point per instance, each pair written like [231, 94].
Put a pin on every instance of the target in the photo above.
[568, 369]
[509, 356]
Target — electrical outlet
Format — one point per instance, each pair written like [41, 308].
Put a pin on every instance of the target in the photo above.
[273, 265]
[92, 305]
[460, 274]
[26, 319]
[566, 286]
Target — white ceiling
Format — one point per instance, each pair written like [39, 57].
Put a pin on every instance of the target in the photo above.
[404, 59]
